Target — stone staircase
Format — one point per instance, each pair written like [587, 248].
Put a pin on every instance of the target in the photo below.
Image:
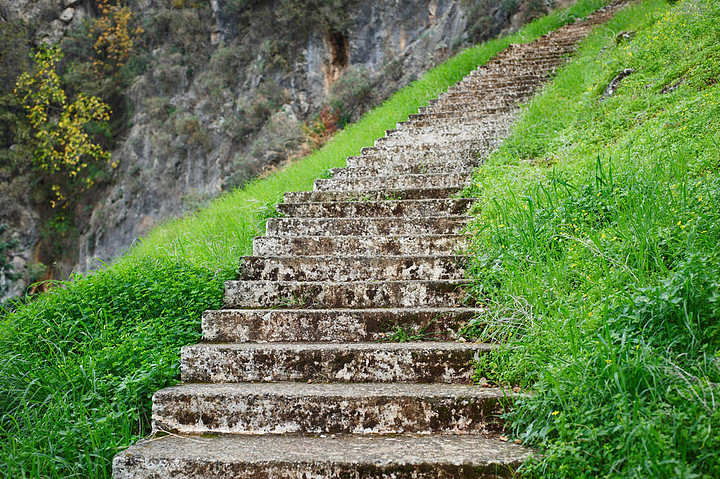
[302, 375]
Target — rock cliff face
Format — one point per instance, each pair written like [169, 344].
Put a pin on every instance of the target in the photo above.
[224, 91]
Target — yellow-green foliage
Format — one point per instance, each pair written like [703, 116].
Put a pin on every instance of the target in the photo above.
[115, 37]
[61, 143]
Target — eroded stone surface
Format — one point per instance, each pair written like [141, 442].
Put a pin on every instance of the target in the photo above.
[302, 457]
[354, 268]
[351, 295]
[423, 362]
[328, 408]
[368, 209]
[379, 194]
[422, 245]
[366, 226]
[335, 325]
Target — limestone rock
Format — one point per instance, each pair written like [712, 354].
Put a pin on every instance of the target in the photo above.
[67, 15]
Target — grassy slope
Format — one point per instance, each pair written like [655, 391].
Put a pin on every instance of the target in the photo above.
[597, 248]
[78, 366]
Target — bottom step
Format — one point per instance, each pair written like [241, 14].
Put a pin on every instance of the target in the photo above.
[295, 457]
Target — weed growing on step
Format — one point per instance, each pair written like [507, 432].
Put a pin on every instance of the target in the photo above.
[400, 334]
[79, 365]
[614, 246]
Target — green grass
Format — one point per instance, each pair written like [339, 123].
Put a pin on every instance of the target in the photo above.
[78, 365]
[596, 249]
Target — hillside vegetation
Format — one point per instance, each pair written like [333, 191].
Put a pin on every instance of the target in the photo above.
[78, 365]
[596, 248]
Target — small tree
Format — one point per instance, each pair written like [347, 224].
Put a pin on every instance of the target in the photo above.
[115, 37]
[63, 148]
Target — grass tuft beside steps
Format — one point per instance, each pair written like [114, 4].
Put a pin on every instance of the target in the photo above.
[78, 365]
[596, 246]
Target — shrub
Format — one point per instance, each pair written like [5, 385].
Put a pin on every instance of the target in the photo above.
[63, 149]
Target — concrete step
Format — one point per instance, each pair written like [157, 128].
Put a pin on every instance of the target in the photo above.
[438, 138]
[412, 362]
[380, 194]
[490, 102]
[463, 117]
[499, 122]
[439, 146]
[329, 457]
[373, 209]
[477, 97]
[466, 168]
[401, 162]
[508, 73]
[365, 226]
[537, 60]
[357, 268]
[402, 155]
[354, 295]
[479, 129]
[334, 325]
[483, 106]
[328, 408]
[452, 180]
[422, 245]
[457, 114]
[486, 86]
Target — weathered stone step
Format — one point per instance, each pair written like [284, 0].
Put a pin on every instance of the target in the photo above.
[448, 180]
[332, 408]
[471, 106]
[486, 86]
[413, 362]
[352, 295]
[406, 155]
[474, 97]
[546, 44]
[399, 161]
[336, 457]
[425, 148]
[373, 209]
[481, 128]
[365, 226]
[465, 118]
[456, 114]
[423, 245]
[535, 59]
[464, 167]
[509, 73]
[334, 325]
[487, 82]
[500, 122]
[371, 195]
[358, 268]
[438, 139]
